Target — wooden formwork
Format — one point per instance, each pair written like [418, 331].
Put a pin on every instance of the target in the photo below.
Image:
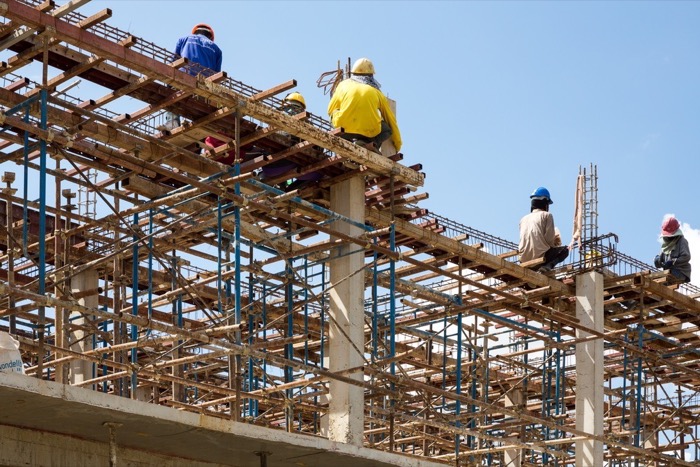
[212, 289]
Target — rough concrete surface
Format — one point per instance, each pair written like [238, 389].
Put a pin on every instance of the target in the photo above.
[49, 424]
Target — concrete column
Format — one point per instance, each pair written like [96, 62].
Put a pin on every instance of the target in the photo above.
[83, 285]
[388, 148]
[589, 368]
[325, 399]
[346, 407]
[650, 442]
[513, 457]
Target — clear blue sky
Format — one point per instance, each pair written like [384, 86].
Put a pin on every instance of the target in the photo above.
[494, 98]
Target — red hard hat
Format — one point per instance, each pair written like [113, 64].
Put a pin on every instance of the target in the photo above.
[204, 26]
[669, 227]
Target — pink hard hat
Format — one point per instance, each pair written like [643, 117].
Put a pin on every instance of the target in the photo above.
[669, 227]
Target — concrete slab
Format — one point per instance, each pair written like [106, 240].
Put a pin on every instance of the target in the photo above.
[51, 407]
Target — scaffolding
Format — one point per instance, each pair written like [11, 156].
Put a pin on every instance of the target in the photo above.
[182, 281]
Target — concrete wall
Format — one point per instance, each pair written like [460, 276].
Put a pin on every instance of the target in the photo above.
[38, 449]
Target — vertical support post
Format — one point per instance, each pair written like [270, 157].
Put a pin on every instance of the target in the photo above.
[134, 300]
[58, 288]
[118, 292]
[263, 457]
[178, 389]
[513, 457]
[375, 308]
[346, 336]
[458, 381]
[112, 427]
[589, 368]
[84, 285]
[289, 348]
[9, 178]
[388, 148]
[236, 408]
[62, 315]
[41, 289]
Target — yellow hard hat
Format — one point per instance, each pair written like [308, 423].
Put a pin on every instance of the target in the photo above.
[296, 97]
[204, 26]
[362, 66]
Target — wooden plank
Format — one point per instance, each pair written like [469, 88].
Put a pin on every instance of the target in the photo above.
[275, 90]
[95, 19]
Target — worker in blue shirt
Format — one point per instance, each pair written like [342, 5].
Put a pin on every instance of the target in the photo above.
[204, 58]
[199, 48]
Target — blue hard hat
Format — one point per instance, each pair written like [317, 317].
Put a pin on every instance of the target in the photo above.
[541, 193]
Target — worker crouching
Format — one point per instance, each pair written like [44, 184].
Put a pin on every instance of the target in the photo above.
[538, 237]
[675, 252]
[362, 110]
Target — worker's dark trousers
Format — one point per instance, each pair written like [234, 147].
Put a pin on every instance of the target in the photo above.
[555, 255]
[679, 276]
[383, 135]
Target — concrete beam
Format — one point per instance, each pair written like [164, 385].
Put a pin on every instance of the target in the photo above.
[62, 418]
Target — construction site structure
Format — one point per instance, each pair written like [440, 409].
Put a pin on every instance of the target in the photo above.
[174, 310]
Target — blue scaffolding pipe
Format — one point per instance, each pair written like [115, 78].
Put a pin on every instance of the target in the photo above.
[444, 358]
[458, 387]
[652, 335]
[237, 242]
[105, 356]
[306, 312]
[546, 395]
[289, 348]
[638, 424]
[392, 302]
[625, 362]
[558, 390]
[25, 186]
[150, 263]
[180, 321]
[495, 317]
[323, 312]
[453, 299]
[428, 335]
[251, 334]
[473, 387]
[25, 105]
[263, 319]
[375, 310]
[177, 303]
[486, 395]
[134, 300]
[526, 360]
[314, 207]
[219, 260]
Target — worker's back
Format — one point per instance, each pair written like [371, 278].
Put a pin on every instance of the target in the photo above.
[201, 50]
[537, 235]
[355, 107]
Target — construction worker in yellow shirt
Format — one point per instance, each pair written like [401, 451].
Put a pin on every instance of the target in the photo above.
[362, 110]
